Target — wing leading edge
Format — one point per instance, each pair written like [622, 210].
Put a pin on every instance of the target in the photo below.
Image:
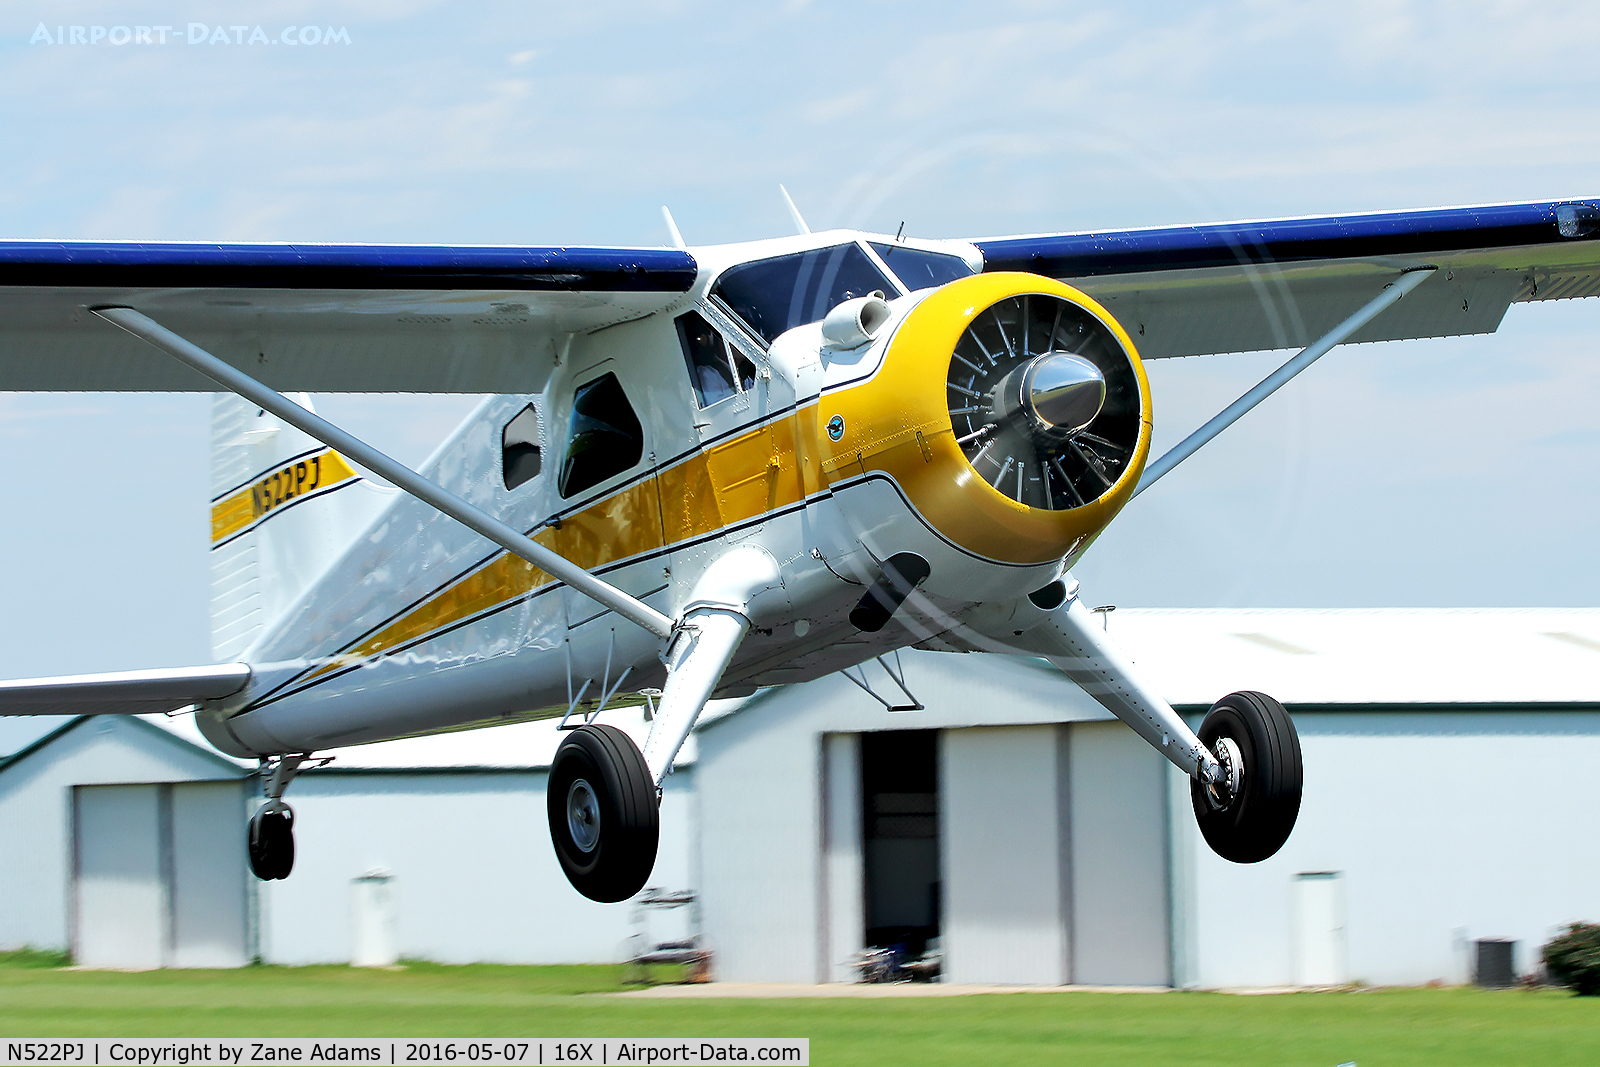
[1281, 283]
[332, 318]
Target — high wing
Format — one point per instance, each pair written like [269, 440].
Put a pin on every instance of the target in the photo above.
[123, 692]
[319, 318]
[1283, 283]
[432, 318]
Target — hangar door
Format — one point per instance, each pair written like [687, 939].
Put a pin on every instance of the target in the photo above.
[900, 838]
[159, 875]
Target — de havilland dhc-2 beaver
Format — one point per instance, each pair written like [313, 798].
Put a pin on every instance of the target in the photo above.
[702, 471]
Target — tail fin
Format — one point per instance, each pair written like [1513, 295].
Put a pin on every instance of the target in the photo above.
[283, 508]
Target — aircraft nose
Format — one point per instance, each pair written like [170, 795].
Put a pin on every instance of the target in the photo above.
[1053, 395]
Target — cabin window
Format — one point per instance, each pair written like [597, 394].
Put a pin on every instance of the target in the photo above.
[519, 448]
[775, 295]
[919, 269]
[604, 437]
[717, 369]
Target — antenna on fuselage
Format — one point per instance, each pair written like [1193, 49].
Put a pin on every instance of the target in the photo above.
[672, 228]
[794, 212]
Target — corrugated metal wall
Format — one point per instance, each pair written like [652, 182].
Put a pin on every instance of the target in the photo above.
[36, 818]
[1004, 829]
[1447, 826]
[474, 877]
[781, 822]
[159, 875]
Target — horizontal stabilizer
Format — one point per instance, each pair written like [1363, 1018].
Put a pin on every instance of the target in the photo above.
[122, 692]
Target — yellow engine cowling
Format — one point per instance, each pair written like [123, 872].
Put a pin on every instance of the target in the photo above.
[921, 420]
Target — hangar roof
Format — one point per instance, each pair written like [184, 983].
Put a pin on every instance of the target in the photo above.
[1368, 656]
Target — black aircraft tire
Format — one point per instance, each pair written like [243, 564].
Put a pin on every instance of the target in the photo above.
[271, 845]
[599, 778]
[1256, 823]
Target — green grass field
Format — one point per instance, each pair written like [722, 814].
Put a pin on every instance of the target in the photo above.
[1457, 1027]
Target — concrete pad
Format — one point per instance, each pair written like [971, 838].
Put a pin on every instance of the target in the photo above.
[775, 990]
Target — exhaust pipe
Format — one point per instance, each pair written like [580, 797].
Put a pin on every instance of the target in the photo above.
[902, 572]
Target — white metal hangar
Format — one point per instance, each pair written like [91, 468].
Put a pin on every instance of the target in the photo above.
[124, 845]
[1449, 765]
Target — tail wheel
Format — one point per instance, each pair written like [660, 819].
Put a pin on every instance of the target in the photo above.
[271, 844]
[1253, 737]
[603, 815]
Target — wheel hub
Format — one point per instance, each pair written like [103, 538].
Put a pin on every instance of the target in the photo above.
[583, 816]
[1225, 789]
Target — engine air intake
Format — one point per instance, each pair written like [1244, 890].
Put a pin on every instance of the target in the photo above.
[1044, 401]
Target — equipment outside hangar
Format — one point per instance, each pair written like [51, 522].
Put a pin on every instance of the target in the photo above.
[1448, 756]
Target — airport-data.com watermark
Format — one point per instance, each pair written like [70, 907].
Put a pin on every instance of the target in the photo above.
[194, 33]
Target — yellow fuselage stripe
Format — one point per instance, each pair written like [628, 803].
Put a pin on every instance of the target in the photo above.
[771, 467]
[254, 502]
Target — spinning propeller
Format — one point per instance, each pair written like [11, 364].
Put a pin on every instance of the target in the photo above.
[1044, 401]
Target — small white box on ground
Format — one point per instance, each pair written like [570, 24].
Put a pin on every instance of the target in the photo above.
[1320, 958]
[372, 923]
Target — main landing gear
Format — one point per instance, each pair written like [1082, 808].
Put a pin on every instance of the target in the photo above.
[1246, 815]
[271, 840]
[604, 817]
[603, 793]
[1243, 765]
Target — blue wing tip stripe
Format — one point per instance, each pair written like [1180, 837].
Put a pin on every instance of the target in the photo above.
[1434, 231]
[137, 265]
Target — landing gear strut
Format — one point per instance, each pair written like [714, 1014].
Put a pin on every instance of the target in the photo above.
[1243, 765]
[271, 840]
[1246, 814]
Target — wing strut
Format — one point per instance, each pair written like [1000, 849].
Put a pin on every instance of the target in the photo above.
[512, 541]
[1271, 383]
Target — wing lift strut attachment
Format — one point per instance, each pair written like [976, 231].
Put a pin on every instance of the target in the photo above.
[513, 541]
[1271, 383]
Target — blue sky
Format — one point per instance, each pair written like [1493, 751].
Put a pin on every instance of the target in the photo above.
[1444, 473]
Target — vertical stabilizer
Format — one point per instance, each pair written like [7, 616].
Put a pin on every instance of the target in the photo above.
[283, 508]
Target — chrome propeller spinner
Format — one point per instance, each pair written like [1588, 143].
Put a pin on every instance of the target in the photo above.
[1052, 396]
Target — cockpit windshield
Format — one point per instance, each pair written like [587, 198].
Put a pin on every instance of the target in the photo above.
[775, 295]
[920, 269]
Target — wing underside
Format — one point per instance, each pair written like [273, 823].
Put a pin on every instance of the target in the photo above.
[323, 318]
[1248, 286]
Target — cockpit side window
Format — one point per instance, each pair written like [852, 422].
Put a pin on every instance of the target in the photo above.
[519, 448]
[920, 269]
[604, 437]
[775, 295]
[717, 369]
